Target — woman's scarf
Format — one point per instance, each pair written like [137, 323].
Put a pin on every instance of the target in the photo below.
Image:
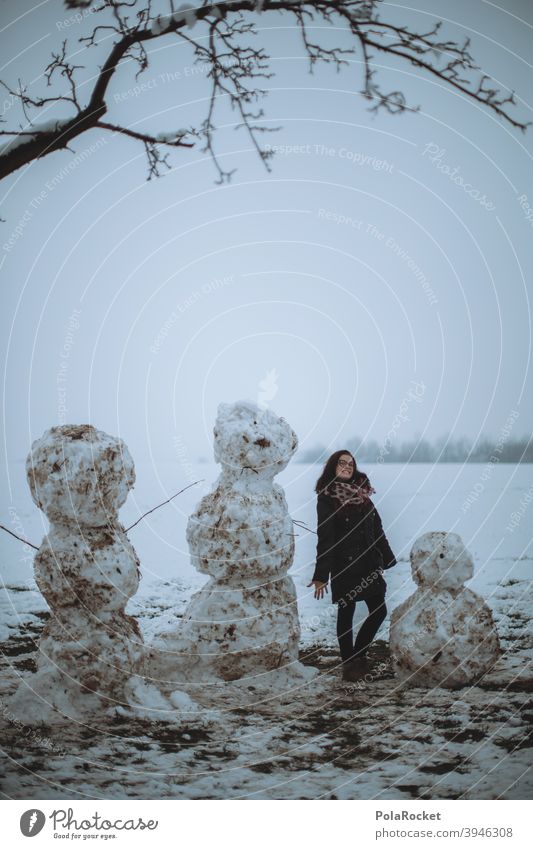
[350, 494]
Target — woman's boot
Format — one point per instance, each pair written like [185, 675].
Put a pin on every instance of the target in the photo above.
[354, 669]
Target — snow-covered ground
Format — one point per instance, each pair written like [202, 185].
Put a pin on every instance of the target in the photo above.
[371, 740]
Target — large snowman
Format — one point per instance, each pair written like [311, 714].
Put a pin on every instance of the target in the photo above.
[444, 634]
[87, 570]
[242, 624]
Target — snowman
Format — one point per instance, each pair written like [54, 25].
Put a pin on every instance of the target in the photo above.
[87, 570]
[444, 634]
[243, 623]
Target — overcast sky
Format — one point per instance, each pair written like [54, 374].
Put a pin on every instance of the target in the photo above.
[355, 280]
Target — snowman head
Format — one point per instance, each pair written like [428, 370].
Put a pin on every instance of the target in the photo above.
[79, 475]
[439, 559]
[252, 438]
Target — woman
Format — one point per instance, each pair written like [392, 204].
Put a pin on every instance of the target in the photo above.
[353, 549]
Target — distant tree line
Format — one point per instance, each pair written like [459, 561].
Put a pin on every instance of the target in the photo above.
[441, 450]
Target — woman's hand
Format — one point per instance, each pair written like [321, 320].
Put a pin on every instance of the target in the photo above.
[319, 588]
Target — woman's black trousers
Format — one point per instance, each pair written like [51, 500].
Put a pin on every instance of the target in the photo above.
[377, 612]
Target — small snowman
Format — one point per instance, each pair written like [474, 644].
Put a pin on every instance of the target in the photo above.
[243, 623]
[87, 570]
[444, 634]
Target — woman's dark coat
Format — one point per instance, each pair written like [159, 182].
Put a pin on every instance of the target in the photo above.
[351, 550]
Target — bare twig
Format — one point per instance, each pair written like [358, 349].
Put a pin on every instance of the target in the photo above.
[301, 524]
[21, 539]
[162, 503]
[36, 547]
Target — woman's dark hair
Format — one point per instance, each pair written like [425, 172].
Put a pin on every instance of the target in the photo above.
[329, 472]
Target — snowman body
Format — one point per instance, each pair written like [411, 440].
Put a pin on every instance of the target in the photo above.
[243, 623]
[444, 634]
[87, 570]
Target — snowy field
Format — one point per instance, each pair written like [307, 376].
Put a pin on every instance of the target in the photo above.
[373, 740]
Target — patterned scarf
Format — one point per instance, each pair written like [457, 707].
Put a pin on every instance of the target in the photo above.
[350, 494]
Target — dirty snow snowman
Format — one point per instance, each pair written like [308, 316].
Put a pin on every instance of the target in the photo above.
[444, 634]
[243, 624]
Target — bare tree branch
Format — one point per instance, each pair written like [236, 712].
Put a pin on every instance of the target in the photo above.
[151, 144]
[21, 539]
[156, 507]
[235, 66]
